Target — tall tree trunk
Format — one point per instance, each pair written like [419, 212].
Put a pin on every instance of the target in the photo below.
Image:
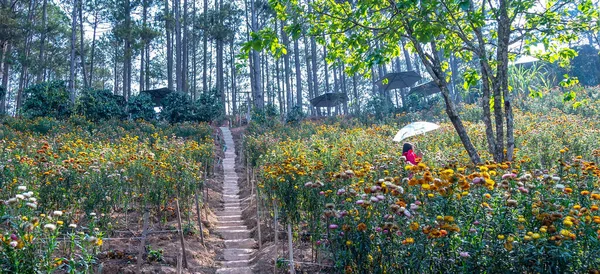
[82, 46]
[115, 69]
[95, 27]
[5, 71]
[504, 30]
[27, 50]
[233, 79]
[205, 49]
[417, 65]
[298, 74]
[42, 59]
[185, 51]
[355, 92]
[168, 28]
[434, 67]
[485, 101]
[269, 85]
[344, 88]
[178, 48]
[194, 51]
[315, 67]
[256, 90]
[147, 69]
[287, 69]
[409, 67]
[325, 67]
[308, 75]
[73, 38]
[454, 67]
[279, 88]
[144, 42]
[128, 52]
[220, 68]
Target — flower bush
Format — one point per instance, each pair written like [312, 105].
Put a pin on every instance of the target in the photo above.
[346, 188]
[60, 185]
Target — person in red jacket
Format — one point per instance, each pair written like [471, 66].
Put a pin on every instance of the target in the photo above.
[409, 153]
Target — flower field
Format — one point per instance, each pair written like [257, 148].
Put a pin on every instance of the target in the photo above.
[346, 190]
[62, 182]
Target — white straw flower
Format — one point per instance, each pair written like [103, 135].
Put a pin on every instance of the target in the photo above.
[20, 197]
[22, 188]
[32, 205]
[57, 213]
[50, 227]
[73, 226]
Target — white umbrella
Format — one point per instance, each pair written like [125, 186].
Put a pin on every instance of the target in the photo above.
[413, 129]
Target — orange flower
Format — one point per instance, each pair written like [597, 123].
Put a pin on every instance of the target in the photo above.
[361, 227]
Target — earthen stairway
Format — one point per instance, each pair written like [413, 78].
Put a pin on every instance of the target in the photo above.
[239, 246]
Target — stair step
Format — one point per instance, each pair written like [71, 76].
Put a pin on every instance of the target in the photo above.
[240, 263]
[241, 243]
[231, 223]
[234, 270]
[235, 234]
[229, 213]
[237, 254]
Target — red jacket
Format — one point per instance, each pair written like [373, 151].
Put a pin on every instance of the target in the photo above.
[411, 157]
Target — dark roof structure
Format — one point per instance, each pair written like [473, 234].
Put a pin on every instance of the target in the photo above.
[331, 99]
[158, 95]
[426, 89]
[396, 80]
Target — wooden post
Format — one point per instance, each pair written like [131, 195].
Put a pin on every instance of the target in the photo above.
[275, 229]
[258, 215]
[199, 219]
[181, 234]
[179, 270]
[290, 249]
[142, 248]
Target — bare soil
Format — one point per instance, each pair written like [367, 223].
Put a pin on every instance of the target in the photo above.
[120, 251]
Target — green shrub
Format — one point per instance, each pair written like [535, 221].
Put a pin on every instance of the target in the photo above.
[295, 115]
[49, 99]
[141, 107]
[178, 107]
[209, 106]
[99, 105]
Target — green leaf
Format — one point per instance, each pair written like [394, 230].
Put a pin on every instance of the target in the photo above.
[569, 96]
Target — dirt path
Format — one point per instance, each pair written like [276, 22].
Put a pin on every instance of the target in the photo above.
[239, 246]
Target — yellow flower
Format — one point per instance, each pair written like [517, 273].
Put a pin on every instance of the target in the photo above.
[28, 237]
[59, 222]
[500, 237]
[99, 242]
[348, 243]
